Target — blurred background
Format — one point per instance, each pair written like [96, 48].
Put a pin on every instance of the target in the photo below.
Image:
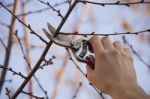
[61, 79]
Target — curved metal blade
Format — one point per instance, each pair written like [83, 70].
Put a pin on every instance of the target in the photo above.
[78, 58]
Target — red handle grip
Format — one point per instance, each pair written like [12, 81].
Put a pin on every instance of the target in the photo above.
[90, 61]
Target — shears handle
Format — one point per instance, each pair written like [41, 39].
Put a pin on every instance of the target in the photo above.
[90, 61]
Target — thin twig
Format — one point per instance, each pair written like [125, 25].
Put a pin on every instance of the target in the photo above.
[50, 6]
[3, 44]
[36, 67]
[135, 52]
[28, 26]
[8, 93]
[47, 62]
[29, 66]
[100, 93]
[115, 3]
[27, 45]
[41, 10]
[77, 91]
[9, 80]
[30, 94]
[4, 24]
[14, 72]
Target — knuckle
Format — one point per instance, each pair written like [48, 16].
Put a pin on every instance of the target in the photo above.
[116, 42]
[115, 52]
[103, 54]
[104, 38]
[125, 55]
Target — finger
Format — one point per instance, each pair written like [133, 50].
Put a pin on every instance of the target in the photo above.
[118, 45]
[127, 50]
[96, 44]
[107, 43]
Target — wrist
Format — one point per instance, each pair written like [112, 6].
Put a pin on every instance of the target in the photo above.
[131, 91]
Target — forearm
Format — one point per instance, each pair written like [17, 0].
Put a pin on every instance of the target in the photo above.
[132, 92]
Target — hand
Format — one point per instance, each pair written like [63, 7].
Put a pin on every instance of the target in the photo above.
[114, 67]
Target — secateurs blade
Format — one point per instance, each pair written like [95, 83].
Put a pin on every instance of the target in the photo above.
[80, 44]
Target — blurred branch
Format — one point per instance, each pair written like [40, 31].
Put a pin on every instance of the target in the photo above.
[11, 4]
[9, 45]
[116, 33]
[134, 52]
[77, 91]
[41, 10]
[3, 44]
[59, 74]
[27, 46]
[116, 3]
[29, 66]
[14, 72]
[30, 94]
[53, 9]
[4, 24]
[9, 80]
[36, 67]
[28, 26]
[8, 93]
[19, 41]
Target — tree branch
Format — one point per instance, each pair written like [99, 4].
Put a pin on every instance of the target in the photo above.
[134, 52]
[116, 33]
[28, 26]
[9, 45]
[14, 72]
[30, 94]
[116, 3]
[29, 66]
[53, 9]
[100, 93]
[44, 53]
[77, 91]
[8, 93]
[4, 24]
[41, 10]
[3, 44]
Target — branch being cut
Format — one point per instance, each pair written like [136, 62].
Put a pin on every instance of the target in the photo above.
[115, 3]
[112, 34]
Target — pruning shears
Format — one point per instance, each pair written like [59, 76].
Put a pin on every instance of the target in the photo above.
[79, 47]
